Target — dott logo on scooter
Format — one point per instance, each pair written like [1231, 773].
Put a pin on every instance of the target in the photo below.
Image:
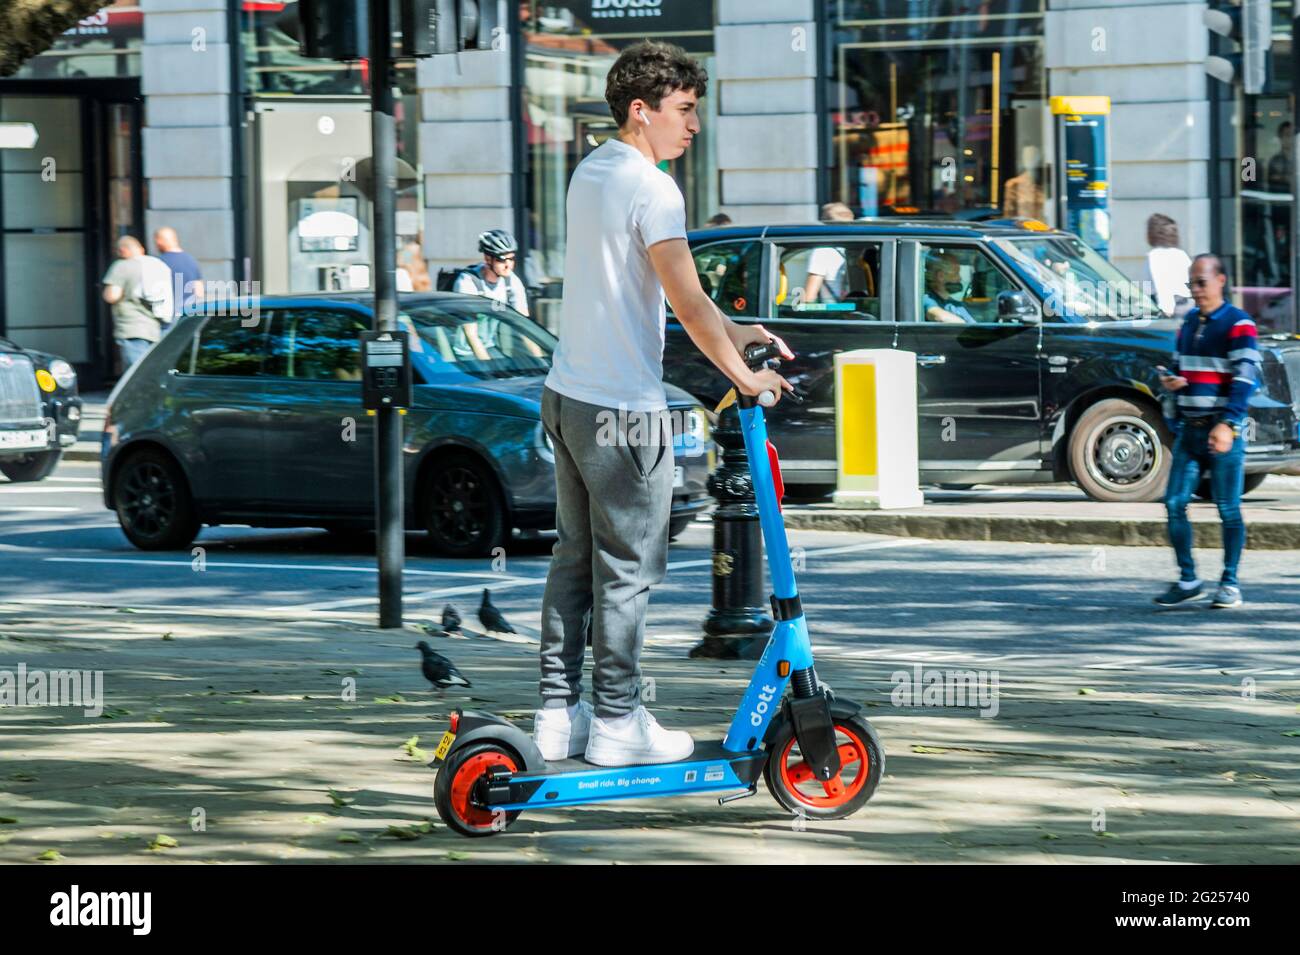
[764, 701]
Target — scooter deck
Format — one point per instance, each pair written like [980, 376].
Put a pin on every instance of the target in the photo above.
[568, 782]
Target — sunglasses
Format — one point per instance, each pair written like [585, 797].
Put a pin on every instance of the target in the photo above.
[1197, 283]
[503, 258]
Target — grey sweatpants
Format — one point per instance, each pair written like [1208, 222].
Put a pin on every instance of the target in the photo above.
[613, 492]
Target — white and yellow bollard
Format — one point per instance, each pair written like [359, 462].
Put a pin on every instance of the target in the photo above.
[875, 429]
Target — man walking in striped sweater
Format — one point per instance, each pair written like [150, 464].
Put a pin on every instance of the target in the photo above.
[1217, 368]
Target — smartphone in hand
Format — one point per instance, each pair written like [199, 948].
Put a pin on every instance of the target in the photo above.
[1169, 380]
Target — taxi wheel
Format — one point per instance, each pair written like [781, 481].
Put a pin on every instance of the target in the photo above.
[31, 467]
[678, 525]
[1251, 482]
[153, 502]
[463, 508]
[1121, 451]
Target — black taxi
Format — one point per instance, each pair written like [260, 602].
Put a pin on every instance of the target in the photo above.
[1036, 358]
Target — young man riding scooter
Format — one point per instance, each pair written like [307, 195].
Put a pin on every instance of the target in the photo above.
[605, 412]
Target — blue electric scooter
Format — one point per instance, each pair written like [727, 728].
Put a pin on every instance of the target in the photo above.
[818, 756]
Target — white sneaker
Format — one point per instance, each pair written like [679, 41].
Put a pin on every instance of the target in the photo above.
[562, 732]
[634, 739]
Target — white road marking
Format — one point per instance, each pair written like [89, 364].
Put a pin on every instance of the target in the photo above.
[1114, 665]
[260, 613]
[253, 565]
[407, 599]
[820, 551]
[8, 508]
[7, 490]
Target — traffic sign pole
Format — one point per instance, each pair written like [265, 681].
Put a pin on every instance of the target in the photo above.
[390, 549]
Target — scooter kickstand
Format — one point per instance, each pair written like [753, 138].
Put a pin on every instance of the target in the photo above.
[752, 790]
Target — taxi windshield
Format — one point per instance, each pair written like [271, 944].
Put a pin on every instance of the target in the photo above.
[1079, 281]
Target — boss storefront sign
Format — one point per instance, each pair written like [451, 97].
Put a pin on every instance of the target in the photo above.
[612, 9]
[665, 15]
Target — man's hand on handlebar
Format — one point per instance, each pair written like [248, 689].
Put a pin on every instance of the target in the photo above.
[742, 336]
[765, 379]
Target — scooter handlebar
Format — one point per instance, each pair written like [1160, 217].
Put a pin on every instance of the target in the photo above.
[766, 398]
[756, 356]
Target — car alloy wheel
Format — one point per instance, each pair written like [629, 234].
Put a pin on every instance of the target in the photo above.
[147, 499]
[463, 507]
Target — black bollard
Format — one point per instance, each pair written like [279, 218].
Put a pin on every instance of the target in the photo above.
[738, 624]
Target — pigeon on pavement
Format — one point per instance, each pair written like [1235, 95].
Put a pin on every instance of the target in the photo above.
[491, 617]
[450, 619]
[437, 669]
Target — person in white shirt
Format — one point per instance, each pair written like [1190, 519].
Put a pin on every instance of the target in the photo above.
[826, 263]
[1167, 266]
[139, 287]
[495, 276]
[604, 411]
[492, 278]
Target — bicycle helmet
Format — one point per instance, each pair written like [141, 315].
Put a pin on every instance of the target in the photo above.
[497, 242]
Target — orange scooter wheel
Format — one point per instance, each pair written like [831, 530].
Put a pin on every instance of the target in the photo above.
[457, 789]
[792, 783]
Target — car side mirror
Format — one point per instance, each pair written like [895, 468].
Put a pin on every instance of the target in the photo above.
[1015, 306]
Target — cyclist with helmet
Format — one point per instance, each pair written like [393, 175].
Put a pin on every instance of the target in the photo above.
[492, 278]
[495, 276]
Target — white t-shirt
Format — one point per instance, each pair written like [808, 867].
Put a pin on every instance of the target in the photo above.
[508, 291]
[611, 326]
[1167, 269]
[828, 262]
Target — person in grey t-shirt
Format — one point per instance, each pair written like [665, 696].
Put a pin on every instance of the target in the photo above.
[135, 285]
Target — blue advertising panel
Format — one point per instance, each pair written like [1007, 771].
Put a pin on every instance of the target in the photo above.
[1084, 170]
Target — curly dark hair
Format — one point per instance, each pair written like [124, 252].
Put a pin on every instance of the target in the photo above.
[650, 71]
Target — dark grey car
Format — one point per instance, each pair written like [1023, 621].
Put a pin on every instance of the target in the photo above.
[255, 418]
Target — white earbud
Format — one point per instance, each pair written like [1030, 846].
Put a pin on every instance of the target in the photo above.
[644, 118]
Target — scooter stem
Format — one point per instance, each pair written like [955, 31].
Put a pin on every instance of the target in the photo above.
[753, 426]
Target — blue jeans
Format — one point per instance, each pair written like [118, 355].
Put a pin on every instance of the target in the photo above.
[133, 349]
[1192, 455]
